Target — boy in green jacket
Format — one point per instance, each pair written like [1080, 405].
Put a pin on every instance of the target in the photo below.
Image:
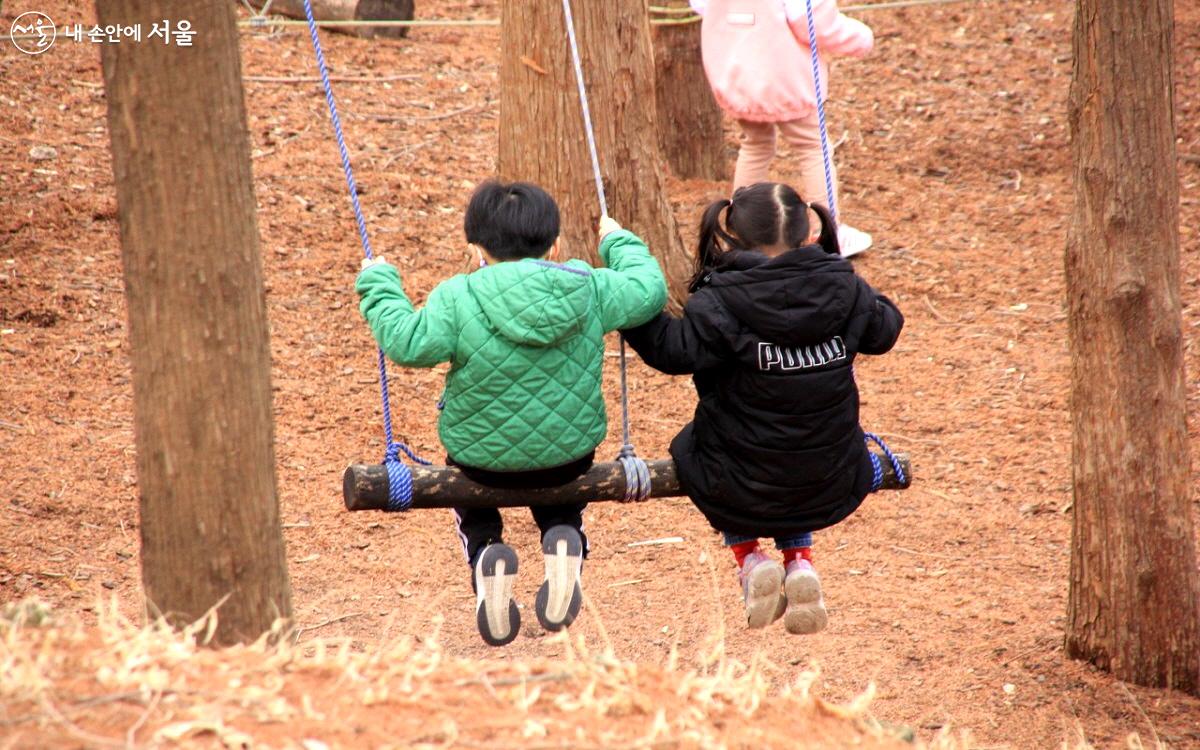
[522, 407]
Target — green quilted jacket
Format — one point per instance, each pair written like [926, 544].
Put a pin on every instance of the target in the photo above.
[525, 342]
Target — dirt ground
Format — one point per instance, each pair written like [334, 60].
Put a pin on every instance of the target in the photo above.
[949, 597]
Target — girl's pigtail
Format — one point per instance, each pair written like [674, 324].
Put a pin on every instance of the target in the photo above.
[828, 239]
[714, 242]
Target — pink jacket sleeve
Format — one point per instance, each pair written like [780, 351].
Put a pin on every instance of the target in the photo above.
[837, 34]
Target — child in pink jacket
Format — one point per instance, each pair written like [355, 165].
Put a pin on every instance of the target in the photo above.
[757, 58]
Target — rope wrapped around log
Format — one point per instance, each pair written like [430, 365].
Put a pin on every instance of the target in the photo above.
[365, 486]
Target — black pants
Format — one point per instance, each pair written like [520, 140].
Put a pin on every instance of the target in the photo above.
[479, 527]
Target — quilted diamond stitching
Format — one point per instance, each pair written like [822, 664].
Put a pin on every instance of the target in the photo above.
[566, 421]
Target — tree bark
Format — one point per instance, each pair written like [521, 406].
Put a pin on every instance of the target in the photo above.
[541, 128]
[210, 524]
[691, 132]
[1133, 602]
[351, 10]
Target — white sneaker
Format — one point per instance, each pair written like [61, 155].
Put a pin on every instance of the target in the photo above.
[852, 241]
[559, 598]
[496, 613]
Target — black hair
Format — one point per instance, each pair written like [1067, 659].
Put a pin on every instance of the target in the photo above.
[759, 215]
[512, 220]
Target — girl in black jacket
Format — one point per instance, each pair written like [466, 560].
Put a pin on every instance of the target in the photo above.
[770, 334]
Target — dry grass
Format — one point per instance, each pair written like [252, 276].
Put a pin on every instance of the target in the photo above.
[117, 685]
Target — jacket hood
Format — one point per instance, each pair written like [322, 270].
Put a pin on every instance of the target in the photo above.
[533, 302]
[798, 298]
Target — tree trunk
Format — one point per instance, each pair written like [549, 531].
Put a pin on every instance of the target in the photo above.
[690, 126]
[197, 322]
[1134, 589]
[351, 10]
[541, 128]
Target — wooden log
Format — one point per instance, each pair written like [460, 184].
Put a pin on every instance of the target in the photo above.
[365, 486]
[353, 10]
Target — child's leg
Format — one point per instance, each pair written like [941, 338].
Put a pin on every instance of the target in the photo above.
[804, 136]
[740, 546]
[761, 579]
[805, 604]
[795, 547]
[564, 547]
[755, 154]
[548, 516]
[494, 569]
[477, 528]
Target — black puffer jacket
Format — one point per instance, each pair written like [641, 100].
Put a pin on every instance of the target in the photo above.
[775, 447]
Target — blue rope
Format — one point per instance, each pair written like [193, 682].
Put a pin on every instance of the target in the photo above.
[400, 480]
[877, 467]
[399, 475]
[337, 130]
[400, 485]
[816, 65]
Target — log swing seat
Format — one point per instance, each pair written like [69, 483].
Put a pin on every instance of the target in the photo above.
[368, 486]
[396, 485]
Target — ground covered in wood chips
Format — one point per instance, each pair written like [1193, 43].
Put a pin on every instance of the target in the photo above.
[949, 598]
[67, 684]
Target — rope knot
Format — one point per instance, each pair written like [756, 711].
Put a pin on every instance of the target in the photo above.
[400, 484]
[400, 480]
[637, 475]
[877, 466]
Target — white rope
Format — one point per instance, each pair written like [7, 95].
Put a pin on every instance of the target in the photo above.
[637, 474]
[587, 112]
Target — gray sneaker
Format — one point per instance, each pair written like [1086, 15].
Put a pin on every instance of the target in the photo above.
[496, 613]
[762, 590]
[805, 605]
[559, 598]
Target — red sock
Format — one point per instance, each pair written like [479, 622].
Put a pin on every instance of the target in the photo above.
[741, 550]
[802, 553]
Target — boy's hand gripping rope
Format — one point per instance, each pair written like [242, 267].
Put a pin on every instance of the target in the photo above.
[399, 475]
[637, 474]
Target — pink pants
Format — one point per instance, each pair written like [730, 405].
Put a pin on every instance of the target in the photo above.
[804, 136]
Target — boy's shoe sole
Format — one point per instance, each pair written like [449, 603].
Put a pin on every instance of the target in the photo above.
[496, 613]
[761, 590]
[560, 597]
[805, 606]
